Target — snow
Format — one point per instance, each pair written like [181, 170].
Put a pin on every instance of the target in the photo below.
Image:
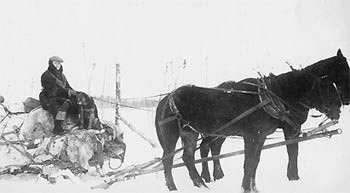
[220, 40]
[323, 165]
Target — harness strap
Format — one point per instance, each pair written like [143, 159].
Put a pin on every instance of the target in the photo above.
[286, 119]
[273, 94]
[246, 113]
[166, 120]
[276, 108]
[230, 91]
[173, 107]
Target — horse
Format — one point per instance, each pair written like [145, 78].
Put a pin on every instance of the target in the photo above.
[189, 111]
[339, 69]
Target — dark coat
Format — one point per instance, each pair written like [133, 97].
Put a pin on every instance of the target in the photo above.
[55, 89]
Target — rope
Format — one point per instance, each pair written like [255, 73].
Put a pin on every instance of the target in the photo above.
[123, 105]
[146, 97]
[229, 91]
[218, 89]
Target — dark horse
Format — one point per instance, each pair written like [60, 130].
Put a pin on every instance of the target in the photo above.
[324, 86]
[339, 70]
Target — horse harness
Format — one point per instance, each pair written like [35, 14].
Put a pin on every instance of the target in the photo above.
[270, 102]
[317, 85]
[275, 109]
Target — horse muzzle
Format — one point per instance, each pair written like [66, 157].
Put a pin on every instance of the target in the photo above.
[333, 113]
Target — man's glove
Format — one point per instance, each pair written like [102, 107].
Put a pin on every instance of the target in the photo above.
[72, 92]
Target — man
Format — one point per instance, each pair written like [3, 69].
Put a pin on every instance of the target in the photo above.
[56, 95]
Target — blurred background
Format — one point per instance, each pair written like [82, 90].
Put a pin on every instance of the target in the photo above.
[163, 44]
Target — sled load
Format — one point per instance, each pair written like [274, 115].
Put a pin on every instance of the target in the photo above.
[27, 143]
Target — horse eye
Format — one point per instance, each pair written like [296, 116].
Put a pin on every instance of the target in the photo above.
[326, 110]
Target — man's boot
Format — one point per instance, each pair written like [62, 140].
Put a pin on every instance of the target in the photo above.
[60, 117]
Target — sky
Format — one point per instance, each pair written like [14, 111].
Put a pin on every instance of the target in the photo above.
[152, 40]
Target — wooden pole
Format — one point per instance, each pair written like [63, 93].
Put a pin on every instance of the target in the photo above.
[117, 107]
[103, 90]
[138, 170]
[117, 95]
[133, 128]
[269, 146]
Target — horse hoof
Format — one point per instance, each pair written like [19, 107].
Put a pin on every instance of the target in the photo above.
[293, 177]
[171, 187]
[199, 183]
[206, 178]
[218, 176]
[250, 191]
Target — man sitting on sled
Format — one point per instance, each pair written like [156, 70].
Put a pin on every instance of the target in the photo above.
[57, 95]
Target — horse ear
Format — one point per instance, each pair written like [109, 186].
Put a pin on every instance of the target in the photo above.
[339, 54]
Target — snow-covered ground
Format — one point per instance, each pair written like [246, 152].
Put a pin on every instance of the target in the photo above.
[323, 165]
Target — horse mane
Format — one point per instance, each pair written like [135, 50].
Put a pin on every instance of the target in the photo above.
[322, 67]
[227, 84]
[318, 69]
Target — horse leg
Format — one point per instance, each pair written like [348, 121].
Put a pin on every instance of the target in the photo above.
[204, 148]
[260, 145]
[215, 150]
[189, 139]
[252, 150]
[292, 149]
[168, 145]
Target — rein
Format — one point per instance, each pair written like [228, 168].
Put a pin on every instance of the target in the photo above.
[228, 91]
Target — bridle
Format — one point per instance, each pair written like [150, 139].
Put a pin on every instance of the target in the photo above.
[320, 90]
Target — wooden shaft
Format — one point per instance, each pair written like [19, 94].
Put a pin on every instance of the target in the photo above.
[122, 175]
[269, 146]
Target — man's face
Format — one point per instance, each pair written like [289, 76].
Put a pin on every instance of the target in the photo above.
[57, 64]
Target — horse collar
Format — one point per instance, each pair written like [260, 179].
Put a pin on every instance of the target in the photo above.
[275, 108]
